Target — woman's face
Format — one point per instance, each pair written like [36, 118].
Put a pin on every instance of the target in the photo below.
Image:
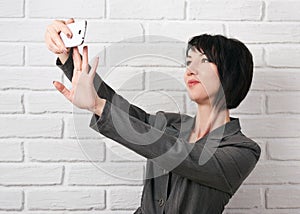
[200, 69]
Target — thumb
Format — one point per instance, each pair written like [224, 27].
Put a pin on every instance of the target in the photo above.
[62, 89]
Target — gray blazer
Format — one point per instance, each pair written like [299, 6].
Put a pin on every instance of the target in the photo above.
[181, 177]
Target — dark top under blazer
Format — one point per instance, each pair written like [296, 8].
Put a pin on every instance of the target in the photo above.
[170, 187]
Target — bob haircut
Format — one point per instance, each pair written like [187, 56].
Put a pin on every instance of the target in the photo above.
[234, 63]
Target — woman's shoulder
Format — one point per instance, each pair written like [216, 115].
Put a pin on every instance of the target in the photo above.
[240, 140]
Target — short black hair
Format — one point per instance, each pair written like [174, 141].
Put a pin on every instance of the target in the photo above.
[234, 62]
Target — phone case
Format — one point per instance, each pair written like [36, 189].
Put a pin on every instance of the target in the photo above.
[78, 30]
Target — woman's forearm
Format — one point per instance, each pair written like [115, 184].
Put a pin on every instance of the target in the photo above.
[100, 103]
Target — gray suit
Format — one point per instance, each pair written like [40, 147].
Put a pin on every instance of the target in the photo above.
[181, 177]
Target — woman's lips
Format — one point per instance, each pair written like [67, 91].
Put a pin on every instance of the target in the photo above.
[192, 83]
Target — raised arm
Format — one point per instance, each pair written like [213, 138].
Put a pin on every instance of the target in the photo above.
[105, 91]
[225, 170]
[65, 62]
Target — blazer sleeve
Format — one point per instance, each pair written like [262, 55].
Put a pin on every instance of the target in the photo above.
[105, 91]
[225, 170]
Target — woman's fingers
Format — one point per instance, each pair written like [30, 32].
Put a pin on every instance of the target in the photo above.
[60, 26]
[76, 59]
[85, 60]
[51, 44]
[55, 46]
[52, 35]
[92, 73]
[83, 65]
[62, 89]
[58, 41]
[69, 21]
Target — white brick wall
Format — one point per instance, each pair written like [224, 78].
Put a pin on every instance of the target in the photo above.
[46, 150]
[225, 10]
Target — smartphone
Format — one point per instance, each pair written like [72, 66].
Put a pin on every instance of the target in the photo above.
[78, 30]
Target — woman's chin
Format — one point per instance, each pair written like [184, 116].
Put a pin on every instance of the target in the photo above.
[195, 96]
[198, 99]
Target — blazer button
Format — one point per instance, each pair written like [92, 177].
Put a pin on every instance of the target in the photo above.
[161, 202]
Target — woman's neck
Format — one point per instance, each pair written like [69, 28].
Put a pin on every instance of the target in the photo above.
[208, 119]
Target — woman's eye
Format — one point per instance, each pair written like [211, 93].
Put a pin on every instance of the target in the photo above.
[188, 63]
[205, 60]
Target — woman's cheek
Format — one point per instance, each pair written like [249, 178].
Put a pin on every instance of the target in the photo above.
[211, 85]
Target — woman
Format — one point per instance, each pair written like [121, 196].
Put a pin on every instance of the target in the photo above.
[194, 164]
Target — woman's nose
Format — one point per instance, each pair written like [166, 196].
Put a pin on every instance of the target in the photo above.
[190, 71]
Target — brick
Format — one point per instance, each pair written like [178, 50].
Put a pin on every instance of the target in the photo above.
[43, 77]
[137, 9]
[11, 199]
[68, 199]
[225, 10]
[23, 174]
[146, 55]
[274, 173]
[268, 79]
[65, 150]
[289, 102]
[168, 31]
[12, 9]
[11, 151]
[265, 32]
[258, 55]
[106, 174]
[122, 78]
[246, 197]
[39, 55]
[274, 126]
[30, 126]
[280, 56]
[76, 211]
[282, 10]
[11, 102]
[166, 79]
[42, 102]
[125, 198]
[110, 31]
[14, 55]
[252, 104]
[291, 199]
[49, 9]
[262, 145]
[159, 100]
[283, 149]
[119, 153]
[78, 126]
[92, 211]
[23, 30]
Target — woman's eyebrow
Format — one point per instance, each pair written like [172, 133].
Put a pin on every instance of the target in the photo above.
[200, 54]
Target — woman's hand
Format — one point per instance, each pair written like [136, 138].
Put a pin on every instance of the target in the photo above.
[83, 93]
[53, 39]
